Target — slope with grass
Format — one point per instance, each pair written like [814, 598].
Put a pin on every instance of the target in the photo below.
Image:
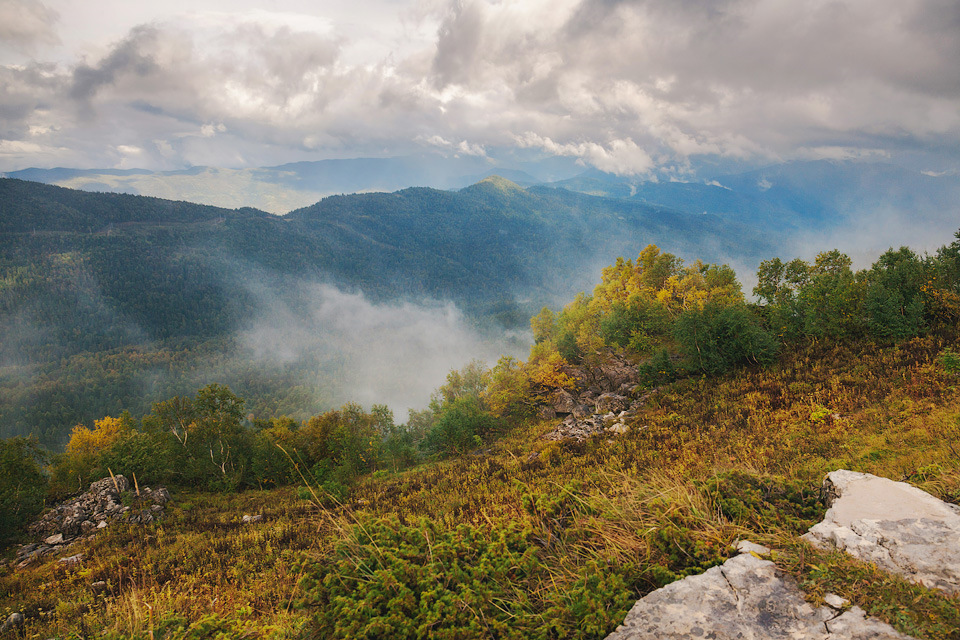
[495, 532]
[527, 538]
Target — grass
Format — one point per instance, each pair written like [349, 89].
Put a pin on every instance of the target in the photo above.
[707, 461]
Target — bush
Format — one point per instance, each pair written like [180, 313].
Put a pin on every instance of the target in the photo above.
[462, 426]
[395, 581]
[950, 360]
[22, 485]
[719, 337]
[765, 503]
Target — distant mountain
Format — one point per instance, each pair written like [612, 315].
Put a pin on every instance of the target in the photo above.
[113, 300]
[845, 200]
[291, 186]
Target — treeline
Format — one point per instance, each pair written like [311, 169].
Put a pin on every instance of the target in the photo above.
[208, 442]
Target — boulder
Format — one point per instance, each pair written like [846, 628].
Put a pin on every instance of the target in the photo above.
[13, 621]
[582, 411]
[746, 597]
[111, 486]
[899, 527]
[248, 519]
[611, 402]
[563, 401]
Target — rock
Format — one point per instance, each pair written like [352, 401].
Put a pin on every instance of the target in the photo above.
[611, 402]
[618, 428]
[248, 519]
[13, 621]
[547, 413]
[89, 512]
[113, 485]
[896, 526]
[835, 602]
[745, 546]
[563, 401]
[582, 411]
[99, 586]
[71, 560]
[746, 597]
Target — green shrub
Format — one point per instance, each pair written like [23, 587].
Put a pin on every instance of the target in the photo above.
[22, 485]
[395, 581]
[658, 370]
[719, 337]
[765, 503]
[389, 580]
[461, 427]
[950, 360]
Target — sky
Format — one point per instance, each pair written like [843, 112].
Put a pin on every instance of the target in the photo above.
[649, 88]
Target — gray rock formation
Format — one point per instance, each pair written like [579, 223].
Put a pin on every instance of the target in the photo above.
[745, 598]
[13, 621]
[603, 400]
[90, 512]
[896, 526]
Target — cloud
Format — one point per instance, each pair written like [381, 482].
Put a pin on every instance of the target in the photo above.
[394, 353]
[26, 25]
[644, 86]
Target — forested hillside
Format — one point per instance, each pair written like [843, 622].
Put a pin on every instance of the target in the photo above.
[112, 300]
[481, 515]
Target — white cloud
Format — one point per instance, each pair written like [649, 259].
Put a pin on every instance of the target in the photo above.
[640, 87]
[27, 25]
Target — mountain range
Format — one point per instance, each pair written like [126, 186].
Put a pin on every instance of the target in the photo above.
[86, 277]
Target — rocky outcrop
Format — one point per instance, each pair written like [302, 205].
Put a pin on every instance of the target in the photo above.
[895, 525]
[602, 401]
[107, 500]
[746, 597]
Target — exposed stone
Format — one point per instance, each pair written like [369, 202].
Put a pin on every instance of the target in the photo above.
[84, 515]
[563, 401]
[111, 486]
[835, 602]
[547, 413]
[746, 597]
[598, 392]
[72, 560]
[99, 586]
[896, 526]
[248, 519]
[13, 621]
[611, 402]
[582, 411]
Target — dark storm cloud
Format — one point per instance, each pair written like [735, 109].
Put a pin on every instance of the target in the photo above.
[127, 57]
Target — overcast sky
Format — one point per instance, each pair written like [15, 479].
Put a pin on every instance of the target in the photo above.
[651, 88]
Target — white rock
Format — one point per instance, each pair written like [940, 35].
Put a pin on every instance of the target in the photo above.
[745, 546]
[896, 526]
[54, 539]
[835, 602]
[746, 597]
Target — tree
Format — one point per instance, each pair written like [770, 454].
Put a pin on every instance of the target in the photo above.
[22, 485]
[831, 302]
[894, 300]
[719, 337]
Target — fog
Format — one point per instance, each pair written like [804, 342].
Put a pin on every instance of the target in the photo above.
[393, 353]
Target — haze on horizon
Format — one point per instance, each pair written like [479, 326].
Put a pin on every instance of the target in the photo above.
[658, 89]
